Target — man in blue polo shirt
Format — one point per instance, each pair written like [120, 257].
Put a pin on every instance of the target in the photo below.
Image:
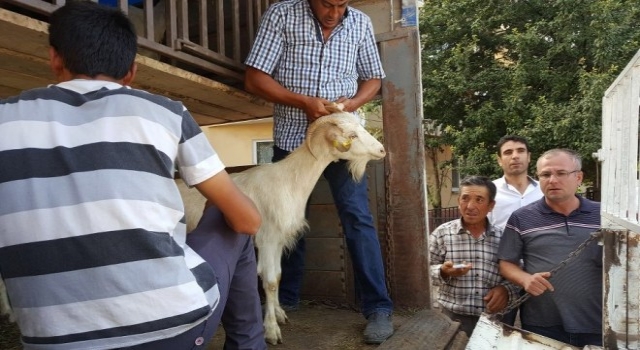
[566, 306]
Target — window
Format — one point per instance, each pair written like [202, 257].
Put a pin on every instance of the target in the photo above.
[262, 151]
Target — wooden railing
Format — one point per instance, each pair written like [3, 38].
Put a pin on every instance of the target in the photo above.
[210, 38]
[620, 209]
[619, 153]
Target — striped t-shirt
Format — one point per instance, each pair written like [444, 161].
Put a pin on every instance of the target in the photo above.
[92, 233]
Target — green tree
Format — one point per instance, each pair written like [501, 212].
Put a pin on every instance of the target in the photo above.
[534, 68]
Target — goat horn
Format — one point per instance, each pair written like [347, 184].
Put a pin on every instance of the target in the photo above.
[331, 118]
[334, 107]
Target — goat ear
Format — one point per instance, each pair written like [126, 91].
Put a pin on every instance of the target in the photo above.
[340, 143]
[342, 146]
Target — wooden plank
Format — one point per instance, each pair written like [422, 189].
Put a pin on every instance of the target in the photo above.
[27, 35]
[204, 120]
[183, 83]
[325, 285]
[14, 81]
[324, 221]
[427, 329]
[24, 54]
[8, 91]
[324, 254]
[321, 193]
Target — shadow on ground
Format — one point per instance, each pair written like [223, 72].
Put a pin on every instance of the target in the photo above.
[9, 335]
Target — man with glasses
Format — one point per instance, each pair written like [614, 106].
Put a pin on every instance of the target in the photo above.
[565, 305]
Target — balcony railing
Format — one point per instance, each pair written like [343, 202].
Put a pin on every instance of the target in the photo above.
[207, 37]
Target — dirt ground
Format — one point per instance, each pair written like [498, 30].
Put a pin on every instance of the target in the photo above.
[322, 326]
[315, 326]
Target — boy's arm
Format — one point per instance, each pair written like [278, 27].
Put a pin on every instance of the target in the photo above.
[239, 210]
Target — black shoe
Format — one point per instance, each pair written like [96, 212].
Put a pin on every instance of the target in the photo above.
[379, 328]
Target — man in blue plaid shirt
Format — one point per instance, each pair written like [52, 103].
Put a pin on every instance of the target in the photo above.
[309, 53]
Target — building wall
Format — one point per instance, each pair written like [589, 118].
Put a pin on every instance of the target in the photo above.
[449, 195]
[235, 142]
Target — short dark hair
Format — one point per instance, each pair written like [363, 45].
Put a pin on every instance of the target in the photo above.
[93, 39]
[515, 138]
[475, 180]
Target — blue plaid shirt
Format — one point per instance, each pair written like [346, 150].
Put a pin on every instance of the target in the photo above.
[289, 46]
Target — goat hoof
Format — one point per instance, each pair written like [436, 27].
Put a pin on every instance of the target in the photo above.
[273, 336]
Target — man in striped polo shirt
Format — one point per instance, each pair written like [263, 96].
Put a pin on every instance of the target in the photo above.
[566, 306]
[308, 53]
[92, 236]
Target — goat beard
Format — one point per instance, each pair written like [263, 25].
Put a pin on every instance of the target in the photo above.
[357, 168]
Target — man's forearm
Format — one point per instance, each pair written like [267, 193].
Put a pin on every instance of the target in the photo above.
[262, 84]
[512, 272]
[367, 90]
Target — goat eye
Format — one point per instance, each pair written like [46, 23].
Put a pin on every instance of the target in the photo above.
[353, 136]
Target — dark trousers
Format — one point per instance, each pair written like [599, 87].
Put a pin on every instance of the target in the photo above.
[232, 257]
[467, 322]
[352, 201]
[195, 338]
[558, 333]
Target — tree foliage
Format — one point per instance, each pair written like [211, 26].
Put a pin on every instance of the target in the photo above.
[533, 68]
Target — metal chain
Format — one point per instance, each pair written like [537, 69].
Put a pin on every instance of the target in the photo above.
[574, 254]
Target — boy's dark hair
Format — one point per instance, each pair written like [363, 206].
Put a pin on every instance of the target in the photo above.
[506, 138]
[475, 180]
[93, 39]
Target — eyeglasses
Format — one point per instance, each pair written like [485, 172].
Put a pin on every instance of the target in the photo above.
[560, 175]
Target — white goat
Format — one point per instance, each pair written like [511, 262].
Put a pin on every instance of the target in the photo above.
[281, 190]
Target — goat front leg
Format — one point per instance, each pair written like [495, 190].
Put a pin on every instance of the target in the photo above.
[269, 271]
